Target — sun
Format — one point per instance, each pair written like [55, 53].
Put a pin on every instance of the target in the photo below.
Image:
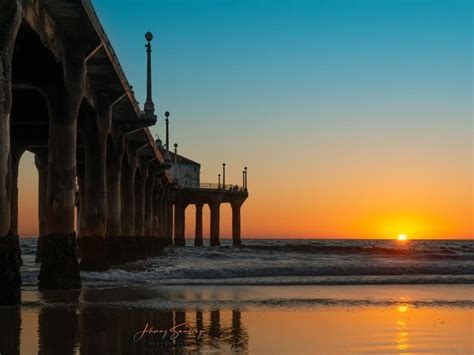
[402, 237]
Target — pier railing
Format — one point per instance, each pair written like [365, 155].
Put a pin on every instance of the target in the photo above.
[227, 187]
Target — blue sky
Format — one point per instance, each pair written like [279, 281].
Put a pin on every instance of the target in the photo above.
[305, 91]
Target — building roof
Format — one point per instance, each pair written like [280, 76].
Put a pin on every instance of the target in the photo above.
[180, 158]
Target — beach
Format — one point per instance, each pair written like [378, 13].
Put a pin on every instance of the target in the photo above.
[236, 177]
[267, 297]
[245, 319]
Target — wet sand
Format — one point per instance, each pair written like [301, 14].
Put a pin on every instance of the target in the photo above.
[243, 319]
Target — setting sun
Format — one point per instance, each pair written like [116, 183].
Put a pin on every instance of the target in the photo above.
[402, 237]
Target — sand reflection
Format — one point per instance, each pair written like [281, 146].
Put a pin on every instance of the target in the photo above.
[91, 330]
[402, 327]
[97, 323]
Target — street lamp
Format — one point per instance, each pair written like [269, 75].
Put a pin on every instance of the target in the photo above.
[176, 153]
[245, 170]
[167, 115]
[223, 175]
[149, 106]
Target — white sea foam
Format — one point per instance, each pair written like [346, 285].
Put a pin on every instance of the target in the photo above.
[295, 262]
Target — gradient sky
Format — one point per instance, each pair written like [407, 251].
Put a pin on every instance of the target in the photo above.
[354, 117]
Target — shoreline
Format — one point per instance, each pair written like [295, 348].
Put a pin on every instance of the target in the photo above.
[249, 319]
[272, 297]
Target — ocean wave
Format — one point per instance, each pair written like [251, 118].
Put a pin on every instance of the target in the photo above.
[279, 262]
[112, 279]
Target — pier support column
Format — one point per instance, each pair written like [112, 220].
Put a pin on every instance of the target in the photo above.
[127, 186]
[179, 224]
[157, 216]
[41, 162]
[16, 153]
[236, 327]
[81, 203]
[10, 324]
[60, 269]
[236, 223]
[113, 234]
[215, 326]
[58, 329]
[95, 127]
[10, 259]
[169, 221]
[215, 222]
[165, 219]
[149, 209]
[198, 232]
[140, 185]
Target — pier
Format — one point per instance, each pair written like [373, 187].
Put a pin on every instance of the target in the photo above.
[107, 191]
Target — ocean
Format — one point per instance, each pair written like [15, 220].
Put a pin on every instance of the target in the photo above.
[288, 262]
[266, 297]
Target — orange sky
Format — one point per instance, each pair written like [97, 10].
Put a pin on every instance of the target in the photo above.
[354, 117]
[349, 202]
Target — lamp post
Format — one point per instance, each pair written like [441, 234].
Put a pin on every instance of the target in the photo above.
[243, 180]
[223, 175]
[175, 153]
[219, 177]
[149, 107]
[167, 115]
[245, 170]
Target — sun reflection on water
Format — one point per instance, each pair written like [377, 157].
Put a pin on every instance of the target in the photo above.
[402, 328]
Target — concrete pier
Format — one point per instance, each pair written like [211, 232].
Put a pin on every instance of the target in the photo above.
[169, 219]
[214, 197]
[149, 208]
[60, 269]
[41, 162]
[149, 205]
[10, 20]
[179, 223]
[198, 226]
[129, 167]
[95, 127]
[236, 205]
[65, 98]
[215, 222]
[139, 230]
[157, 232]
[114, 240]
[17, 151]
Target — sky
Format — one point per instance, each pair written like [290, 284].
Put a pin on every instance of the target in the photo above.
[354, 117]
